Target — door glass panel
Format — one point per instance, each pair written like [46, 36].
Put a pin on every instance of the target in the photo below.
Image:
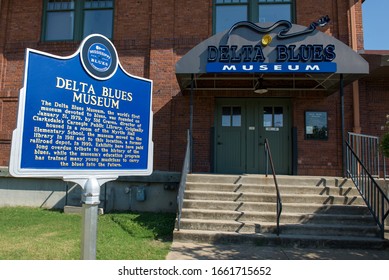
[231, 116]
[267, 116]
[226, 116]
[236, 116]
[273, 116]
[278, 117]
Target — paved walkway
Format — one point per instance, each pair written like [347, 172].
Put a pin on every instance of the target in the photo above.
[202, 251]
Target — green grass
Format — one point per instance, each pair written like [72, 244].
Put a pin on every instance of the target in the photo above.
[39, 234]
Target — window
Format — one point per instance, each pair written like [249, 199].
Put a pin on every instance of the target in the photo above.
[231, 116]
[228, 12]
[66, 20]
[273, 117]
[274, 10]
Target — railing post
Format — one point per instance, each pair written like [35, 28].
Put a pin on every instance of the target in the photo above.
[279, 202]
[383, 217]
[191, 112]
[341, 92]
[267, 157]
[184, 174]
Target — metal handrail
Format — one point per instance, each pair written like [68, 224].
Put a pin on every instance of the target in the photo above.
[372, 194]
[184, 174]
[269, 158]
[367, 149]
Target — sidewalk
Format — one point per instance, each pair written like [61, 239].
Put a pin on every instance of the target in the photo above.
[202, 251]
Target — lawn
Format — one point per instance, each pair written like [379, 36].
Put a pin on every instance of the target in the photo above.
[40, 234]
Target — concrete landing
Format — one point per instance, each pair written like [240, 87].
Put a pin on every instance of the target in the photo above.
[204, 251]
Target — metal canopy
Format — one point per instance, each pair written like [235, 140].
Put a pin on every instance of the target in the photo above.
[379, 64]
[349, 63]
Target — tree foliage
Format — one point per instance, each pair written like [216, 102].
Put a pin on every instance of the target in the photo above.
[384, 143]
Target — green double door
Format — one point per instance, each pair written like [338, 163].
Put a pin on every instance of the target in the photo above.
[241, 127]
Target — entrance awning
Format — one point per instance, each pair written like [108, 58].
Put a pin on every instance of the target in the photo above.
[278, 53]
[378, 62]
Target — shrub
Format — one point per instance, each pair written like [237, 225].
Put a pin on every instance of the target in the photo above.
[384, 142]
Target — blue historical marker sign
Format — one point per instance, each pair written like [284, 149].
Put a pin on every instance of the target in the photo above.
[82, 115]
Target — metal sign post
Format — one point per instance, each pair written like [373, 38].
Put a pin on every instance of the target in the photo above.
[90, 204]
[89, 231]
[84, 119]
[90, 199]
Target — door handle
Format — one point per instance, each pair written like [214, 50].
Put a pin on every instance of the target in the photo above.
[219, 143]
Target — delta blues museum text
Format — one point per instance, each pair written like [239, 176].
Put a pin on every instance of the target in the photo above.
[315, 58]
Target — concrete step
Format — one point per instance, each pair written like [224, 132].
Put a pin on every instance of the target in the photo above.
[317, 211]
[284, 189]
[262, 180]
[286, 198]
[290, 218]
[271, 207]
[266, 227]
[284, 240]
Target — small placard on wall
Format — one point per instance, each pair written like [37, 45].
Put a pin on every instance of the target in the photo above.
[316, 125]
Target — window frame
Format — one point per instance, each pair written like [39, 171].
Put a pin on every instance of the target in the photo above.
[234, 120]
[78, 24]
[273, 119]
[252, 9]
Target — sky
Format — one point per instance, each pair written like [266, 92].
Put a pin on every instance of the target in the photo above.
[375, 14]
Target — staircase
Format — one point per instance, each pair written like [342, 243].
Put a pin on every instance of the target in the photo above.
[317, 212]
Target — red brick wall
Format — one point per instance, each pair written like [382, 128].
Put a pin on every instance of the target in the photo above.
[374, 99]
[151, 36]
[321, 156]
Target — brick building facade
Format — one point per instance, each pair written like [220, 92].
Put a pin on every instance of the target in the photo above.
[152, 36]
